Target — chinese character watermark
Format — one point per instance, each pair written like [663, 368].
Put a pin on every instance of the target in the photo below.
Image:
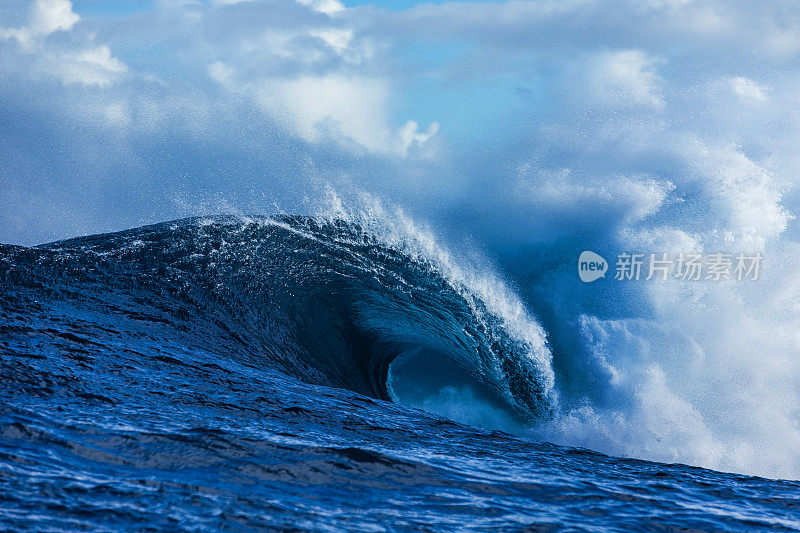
[718, 266]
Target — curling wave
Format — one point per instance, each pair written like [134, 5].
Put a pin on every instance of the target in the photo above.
[324, 300]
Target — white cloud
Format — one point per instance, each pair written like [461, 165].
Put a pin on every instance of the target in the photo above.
[49, 16]
[336, 38]
[311, 104]
[329, 7]
[316, 108]
[46, 17]
[322, 97]
[626, 78]
[221, 73]
[409, 135]
[117, 114]
[93, 65]
[747, 89]
[315, 81]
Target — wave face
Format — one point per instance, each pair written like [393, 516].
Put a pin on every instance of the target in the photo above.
[287, 371]
[324, 302]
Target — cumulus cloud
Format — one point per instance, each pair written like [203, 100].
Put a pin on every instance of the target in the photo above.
[328, 7]
[747, 89]
[626, 78]
[74, 63]
[409, 134]
[336, 38]
[90, 66]
[46, 17]
[333, 107]
[312, 105]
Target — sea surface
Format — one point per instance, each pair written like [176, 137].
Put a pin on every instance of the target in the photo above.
[303, 373]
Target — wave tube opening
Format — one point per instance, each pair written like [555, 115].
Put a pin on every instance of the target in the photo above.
[429, 380]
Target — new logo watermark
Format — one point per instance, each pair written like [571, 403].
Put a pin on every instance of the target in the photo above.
[591, 266]
[716, 266]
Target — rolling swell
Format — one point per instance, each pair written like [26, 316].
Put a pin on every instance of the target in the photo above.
[322, 300]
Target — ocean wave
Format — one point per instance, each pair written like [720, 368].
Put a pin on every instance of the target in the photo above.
[328, 300]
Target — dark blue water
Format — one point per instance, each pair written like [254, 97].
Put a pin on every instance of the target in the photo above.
[266, 373]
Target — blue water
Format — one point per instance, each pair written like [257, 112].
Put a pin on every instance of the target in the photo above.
[301, 374]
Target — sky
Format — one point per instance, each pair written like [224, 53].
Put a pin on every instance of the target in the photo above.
[121, 113]
[529, 129]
